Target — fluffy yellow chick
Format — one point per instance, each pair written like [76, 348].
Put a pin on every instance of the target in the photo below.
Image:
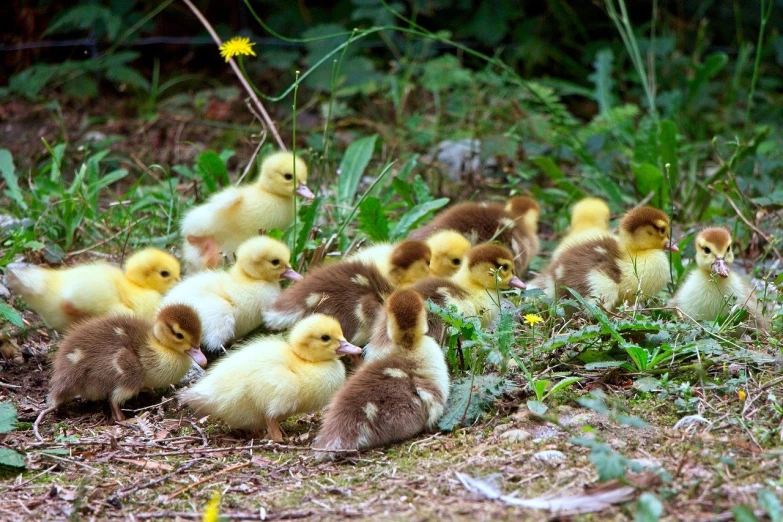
[236, 214]
[612, 271]
[448, 250]
[230, 303]
[589, 220]
[402, 263]
[394, 396]
[711, 289]
[269, 379]
[66, 295]
[116, 357]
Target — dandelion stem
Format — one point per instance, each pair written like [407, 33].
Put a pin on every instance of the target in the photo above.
[267, 119]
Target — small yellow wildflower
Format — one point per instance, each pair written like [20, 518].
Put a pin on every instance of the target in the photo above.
[212, 511]
[239, 45]
[741, 394]
[533, 319]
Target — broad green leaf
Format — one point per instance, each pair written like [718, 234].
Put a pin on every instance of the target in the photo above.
[648, 508]
[540, 387]
[11, 459]
[537, 407]
[212, 169]
[600, 365]
[647, 384]
[650, 179]
[609, 465]
[372, 219]
[645, 144]
[404, 190]
[8, 171]
[572, 337]
[599, 314]
[602, 79]
[414, 216]
[563, 384]
[743, 513]
[7, 417]
[639, 356]
[771, 504]
[470, 397]
[669, 152]
[357, 157]
[554, 173]
[12, 316]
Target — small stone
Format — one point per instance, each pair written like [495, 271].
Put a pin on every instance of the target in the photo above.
[550, 457]
[648, 464]
[500, 428]
[581, 419]
[516, 435]
[544, 433]
[618, 444]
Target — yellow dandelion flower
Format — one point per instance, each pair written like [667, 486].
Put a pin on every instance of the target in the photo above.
[533, 319]
[239, 45]
[212, 511]
[741, 394]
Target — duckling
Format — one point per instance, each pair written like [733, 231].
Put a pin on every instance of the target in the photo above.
[612, 271]
[402, 264]
[589, 220]
[350, 291]
[230, 303]
[448, 250]
[115, 357]
[269, 379]
[474, 288]
[66, 295]
[711, 289]
[515, 226]
[395, 397]
[236, 214]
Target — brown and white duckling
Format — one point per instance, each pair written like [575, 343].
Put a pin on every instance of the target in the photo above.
[269, 379]
[611, 270]
[402, 263]
[448, 251]
[350, 291]
[115, 357]
[589, 220]
[515, 225]
[711, 289]
[395, 397]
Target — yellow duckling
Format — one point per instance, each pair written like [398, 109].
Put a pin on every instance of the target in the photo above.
[116, 357]
[712, 289]
[589, 220]
[393, 397]
[236, 214]
[448, 250]
[230, 303]
[401, 263]
[612, 271]
[66, 295]
[269, 379]
[475, 288]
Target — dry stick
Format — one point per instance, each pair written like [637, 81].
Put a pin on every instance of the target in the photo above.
[207, 479]
[122, 493]
[239, 74]
[38, 421]
[752, 226]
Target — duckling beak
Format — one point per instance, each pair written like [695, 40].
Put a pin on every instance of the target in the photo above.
[197, 355]
[347, 348]
[305, 192]
[720, 267]
[516, 283]
[290, 273]
[671, 247]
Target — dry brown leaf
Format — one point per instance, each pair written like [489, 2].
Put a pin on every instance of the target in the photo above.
[147, 464]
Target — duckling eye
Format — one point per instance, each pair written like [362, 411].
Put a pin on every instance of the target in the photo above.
[288, 176]
[179, 336]
[504, 267]
[275, 262]
[165, 273]
[707, 250]
[325, 338]
[456, 261]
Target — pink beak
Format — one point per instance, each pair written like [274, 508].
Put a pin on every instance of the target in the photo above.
[197, 355]
[671, 247]
[290, 273]
[720, 267]
[305, 192]
[517, 283]
[347, 348]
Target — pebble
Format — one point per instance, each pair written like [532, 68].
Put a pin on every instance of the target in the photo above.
[618, 444]
[545, 433]
[516, 435]
[581, 419]
[549, 457]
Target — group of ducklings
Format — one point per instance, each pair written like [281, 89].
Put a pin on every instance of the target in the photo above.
[142, 327]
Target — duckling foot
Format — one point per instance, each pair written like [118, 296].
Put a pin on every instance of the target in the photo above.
[208, 248]
[273, 431]
[116, 412]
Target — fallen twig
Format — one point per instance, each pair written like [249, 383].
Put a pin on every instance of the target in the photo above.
[207, 479]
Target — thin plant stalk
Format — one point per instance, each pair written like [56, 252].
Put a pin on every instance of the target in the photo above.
[765, 16]
[267, 119]
[293, 147]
